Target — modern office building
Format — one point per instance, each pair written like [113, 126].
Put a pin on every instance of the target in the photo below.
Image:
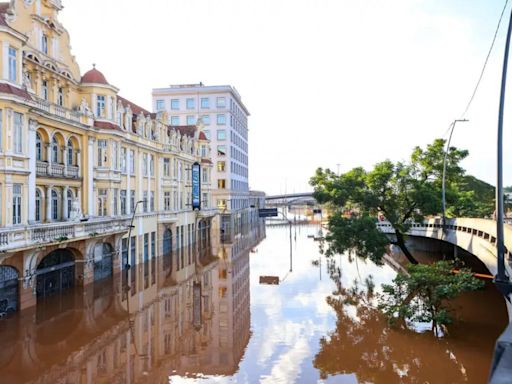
[78, 162]
[220, 112]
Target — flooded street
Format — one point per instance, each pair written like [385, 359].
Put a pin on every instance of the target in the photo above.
[216, 323]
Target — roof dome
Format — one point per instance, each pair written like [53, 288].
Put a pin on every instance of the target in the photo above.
[94, 77]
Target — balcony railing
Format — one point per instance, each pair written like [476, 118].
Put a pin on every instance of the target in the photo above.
[32, 235]
[62, 112]
[57, 170]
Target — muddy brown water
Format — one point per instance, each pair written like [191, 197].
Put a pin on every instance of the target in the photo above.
[312, 327]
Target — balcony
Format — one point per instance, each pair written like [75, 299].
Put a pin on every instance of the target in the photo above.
[45, 169]
[57, 110]
[38, 234]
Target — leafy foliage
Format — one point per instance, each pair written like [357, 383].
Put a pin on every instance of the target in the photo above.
[402, 192]
[422, 295]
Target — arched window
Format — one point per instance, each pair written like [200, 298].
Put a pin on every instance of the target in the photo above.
[39, 147]
[55, 150]
[69, 201]
[55, 205]
[38, 205]
[70, 152]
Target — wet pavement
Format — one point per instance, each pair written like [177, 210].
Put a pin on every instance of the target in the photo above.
[216, 321]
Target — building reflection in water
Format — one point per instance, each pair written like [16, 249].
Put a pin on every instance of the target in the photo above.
[138, 326]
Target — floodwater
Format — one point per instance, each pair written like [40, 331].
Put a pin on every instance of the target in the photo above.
[318, 325]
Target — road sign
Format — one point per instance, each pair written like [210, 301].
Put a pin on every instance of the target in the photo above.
[267, 212]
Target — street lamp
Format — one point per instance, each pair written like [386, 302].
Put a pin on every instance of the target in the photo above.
[501, 279]
[444, 168]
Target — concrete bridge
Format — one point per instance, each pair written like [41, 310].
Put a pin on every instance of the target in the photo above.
[290, 199]
[477, 236]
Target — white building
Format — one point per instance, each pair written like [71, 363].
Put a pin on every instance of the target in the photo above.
[224, 118]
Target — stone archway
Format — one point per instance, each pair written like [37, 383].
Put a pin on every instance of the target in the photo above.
[8, 290]
[55, 273]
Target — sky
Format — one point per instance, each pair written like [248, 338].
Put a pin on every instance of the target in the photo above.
[329, 83]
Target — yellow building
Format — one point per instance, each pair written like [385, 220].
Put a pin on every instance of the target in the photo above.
[76, 161]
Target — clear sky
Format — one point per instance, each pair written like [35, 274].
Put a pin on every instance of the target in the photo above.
[327, 82]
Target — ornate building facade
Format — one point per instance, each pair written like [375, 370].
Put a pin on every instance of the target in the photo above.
[78, 162]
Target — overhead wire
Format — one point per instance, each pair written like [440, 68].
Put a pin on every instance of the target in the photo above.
[485, 62]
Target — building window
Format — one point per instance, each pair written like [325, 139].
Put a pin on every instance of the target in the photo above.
[207, 133]
[39, 147]
[145, 202]
[206, 119]
[12, 64]
[151, 165]
[38, 205]
[70, 152]
[205, 200]
[221, 150]
[146, 247]
[175, 120]
[167, 201]
[203, 150]
[221, 166]
[221, 119]
[55, 150]
[221, 134]
[115, 199]
[190, 104]
[205, 102]
[44, 89]
[145, 164]
[100, 106]
[18, 132]
[55, 205]
[152, 201]
[44, 44]
[221, 184]
[132, 200]
[102, 153]
[60, 96]
[221, 102]
[132, 162]
[69, 201]
[160, 105]
[175, 104]
[167, 167]
[153, 244]
[123, 159]
[16, 204]
[221, 203]
[102, 202]
[191, 120]
[123, 202]
[205, 175]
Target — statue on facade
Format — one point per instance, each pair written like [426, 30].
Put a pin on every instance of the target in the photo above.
[76, 212]
[84, 108]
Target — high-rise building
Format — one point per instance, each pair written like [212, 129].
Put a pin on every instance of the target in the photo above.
[223, 117]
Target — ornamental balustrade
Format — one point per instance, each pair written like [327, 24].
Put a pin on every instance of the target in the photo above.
[37, 234]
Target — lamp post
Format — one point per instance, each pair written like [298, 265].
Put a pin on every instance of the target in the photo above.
[444, 168]
[501, 279]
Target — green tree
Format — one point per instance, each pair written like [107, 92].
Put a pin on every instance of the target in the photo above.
[403, 192]
[423, 294]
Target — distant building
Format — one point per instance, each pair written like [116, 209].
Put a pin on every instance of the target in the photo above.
[223, 117]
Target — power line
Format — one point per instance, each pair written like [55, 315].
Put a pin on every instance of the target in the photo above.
[486, 61]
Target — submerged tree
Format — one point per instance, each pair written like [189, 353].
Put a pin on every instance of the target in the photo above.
[403, 192]
[423, 294]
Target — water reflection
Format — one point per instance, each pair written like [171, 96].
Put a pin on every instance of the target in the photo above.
[142, 325]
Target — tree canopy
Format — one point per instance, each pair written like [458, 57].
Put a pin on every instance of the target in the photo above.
[402, 192]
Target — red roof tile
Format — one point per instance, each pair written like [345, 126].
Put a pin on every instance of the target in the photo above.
[188, 130]
[94, 77]
[106, 124]
[202, 136]
[6, 88]
[134, 107]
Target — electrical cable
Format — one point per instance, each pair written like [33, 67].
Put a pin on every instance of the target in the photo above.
[486, 61]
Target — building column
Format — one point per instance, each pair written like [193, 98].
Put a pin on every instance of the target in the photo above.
[65, 159]
[49, 157]
[48, 204]
[90, 178]
[78, 160]
[65, 213]
[8, 201]
[32, 126]
[128, 180]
